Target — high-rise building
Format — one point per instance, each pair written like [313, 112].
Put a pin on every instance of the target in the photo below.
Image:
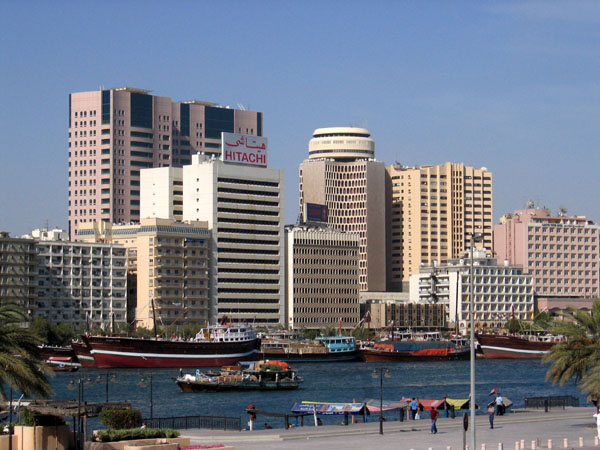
[243, 206]
[341, 172]
[322, 278]
[434, 212]
[500, 291]
[115, 133]
[562, 253]
[168, 261]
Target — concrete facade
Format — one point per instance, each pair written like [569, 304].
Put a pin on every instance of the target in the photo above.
[562, 253]
[18, 272]
[243, 206]
[322, 278]
[341, 172]
[434, 211]
[115, 133]
[82, 283]
[168, 261]
[499, 291]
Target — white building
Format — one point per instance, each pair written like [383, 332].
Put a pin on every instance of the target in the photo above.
[243, 205]
[80, 282]
[499, 290]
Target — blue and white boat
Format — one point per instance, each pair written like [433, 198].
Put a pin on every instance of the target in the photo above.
[322, 349]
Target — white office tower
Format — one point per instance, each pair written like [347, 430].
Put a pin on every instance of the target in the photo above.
[243, 205]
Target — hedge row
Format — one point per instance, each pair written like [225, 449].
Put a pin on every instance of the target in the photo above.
[135, 433]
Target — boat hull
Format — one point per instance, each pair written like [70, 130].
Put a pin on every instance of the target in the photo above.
[310, 357]
[125, 352]
[380, 355]
[242, 386]
[512, 347]
[83, 354]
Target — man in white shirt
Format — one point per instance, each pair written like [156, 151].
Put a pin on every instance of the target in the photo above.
[499, 404]
[597, 417]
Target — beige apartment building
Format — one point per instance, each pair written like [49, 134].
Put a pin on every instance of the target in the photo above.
[322, 278]
[115, 133]
[434, 212]
[341, 172]
[562, 253]
[169, 261]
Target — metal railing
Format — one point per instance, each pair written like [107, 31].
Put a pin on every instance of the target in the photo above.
[205, 422]
[551, 402]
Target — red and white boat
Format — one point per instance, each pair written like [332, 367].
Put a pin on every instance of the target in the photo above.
[83, 354]
[495, 346]
[221, 345]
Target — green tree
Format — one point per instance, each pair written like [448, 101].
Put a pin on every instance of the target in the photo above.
[21, 366]
[579, 356]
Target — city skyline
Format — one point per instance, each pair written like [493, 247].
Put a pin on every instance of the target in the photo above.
[509, 86]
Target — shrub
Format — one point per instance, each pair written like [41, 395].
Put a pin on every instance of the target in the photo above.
[135, 433]
[119, 419]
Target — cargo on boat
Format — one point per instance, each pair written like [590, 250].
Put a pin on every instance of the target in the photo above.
[260, 376]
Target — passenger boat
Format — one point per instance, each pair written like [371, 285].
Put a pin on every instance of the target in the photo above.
[60, 359]
[322, 349]
[215, 346]
[83, 354]
[416, 347]
[495, 346]
[261, 376]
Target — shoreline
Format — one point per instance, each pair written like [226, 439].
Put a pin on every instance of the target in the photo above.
[527, 425]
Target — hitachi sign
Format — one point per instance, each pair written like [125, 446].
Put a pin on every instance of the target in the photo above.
[244, 149]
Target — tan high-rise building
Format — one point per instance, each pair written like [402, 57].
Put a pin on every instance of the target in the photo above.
[322, 278]
[115, 133]
[169, 260]
[434, 212]
[342, 174]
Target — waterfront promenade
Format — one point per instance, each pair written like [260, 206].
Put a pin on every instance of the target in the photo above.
[520, 425]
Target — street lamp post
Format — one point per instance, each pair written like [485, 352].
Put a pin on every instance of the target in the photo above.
[383, 372]
[144, 384]
[474, 238]
[113, 379]
[79, 385]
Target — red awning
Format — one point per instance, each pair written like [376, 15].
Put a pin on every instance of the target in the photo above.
[426, 403]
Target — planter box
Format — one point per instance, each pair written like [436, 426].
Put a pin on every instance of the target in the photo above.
[41, 438]
[4, 438]
[139, 444]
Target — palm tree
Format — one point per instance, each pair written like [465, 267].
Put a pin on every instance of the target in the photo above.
[579, 356]
[21, 366]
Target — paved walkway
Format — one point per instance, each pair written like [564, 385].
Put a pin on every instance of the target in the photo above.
[526, 425]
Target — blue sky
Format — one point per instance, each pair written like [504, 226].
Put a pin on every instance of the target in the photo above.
[511, 86]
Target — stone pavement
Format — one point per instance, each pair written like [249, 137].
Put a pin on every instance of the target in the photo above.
[509, 430]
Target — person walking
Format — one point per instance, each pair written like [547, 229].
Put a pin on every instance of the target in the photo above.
[414, 407]
[491, 411]
[434, 416]
[597, 417]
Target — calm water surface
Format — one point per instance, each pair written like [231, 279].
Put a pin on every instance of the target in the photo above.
[327, 382]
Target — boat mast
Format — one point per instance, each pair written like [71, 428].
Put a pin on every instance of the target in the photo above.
[153, 317]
